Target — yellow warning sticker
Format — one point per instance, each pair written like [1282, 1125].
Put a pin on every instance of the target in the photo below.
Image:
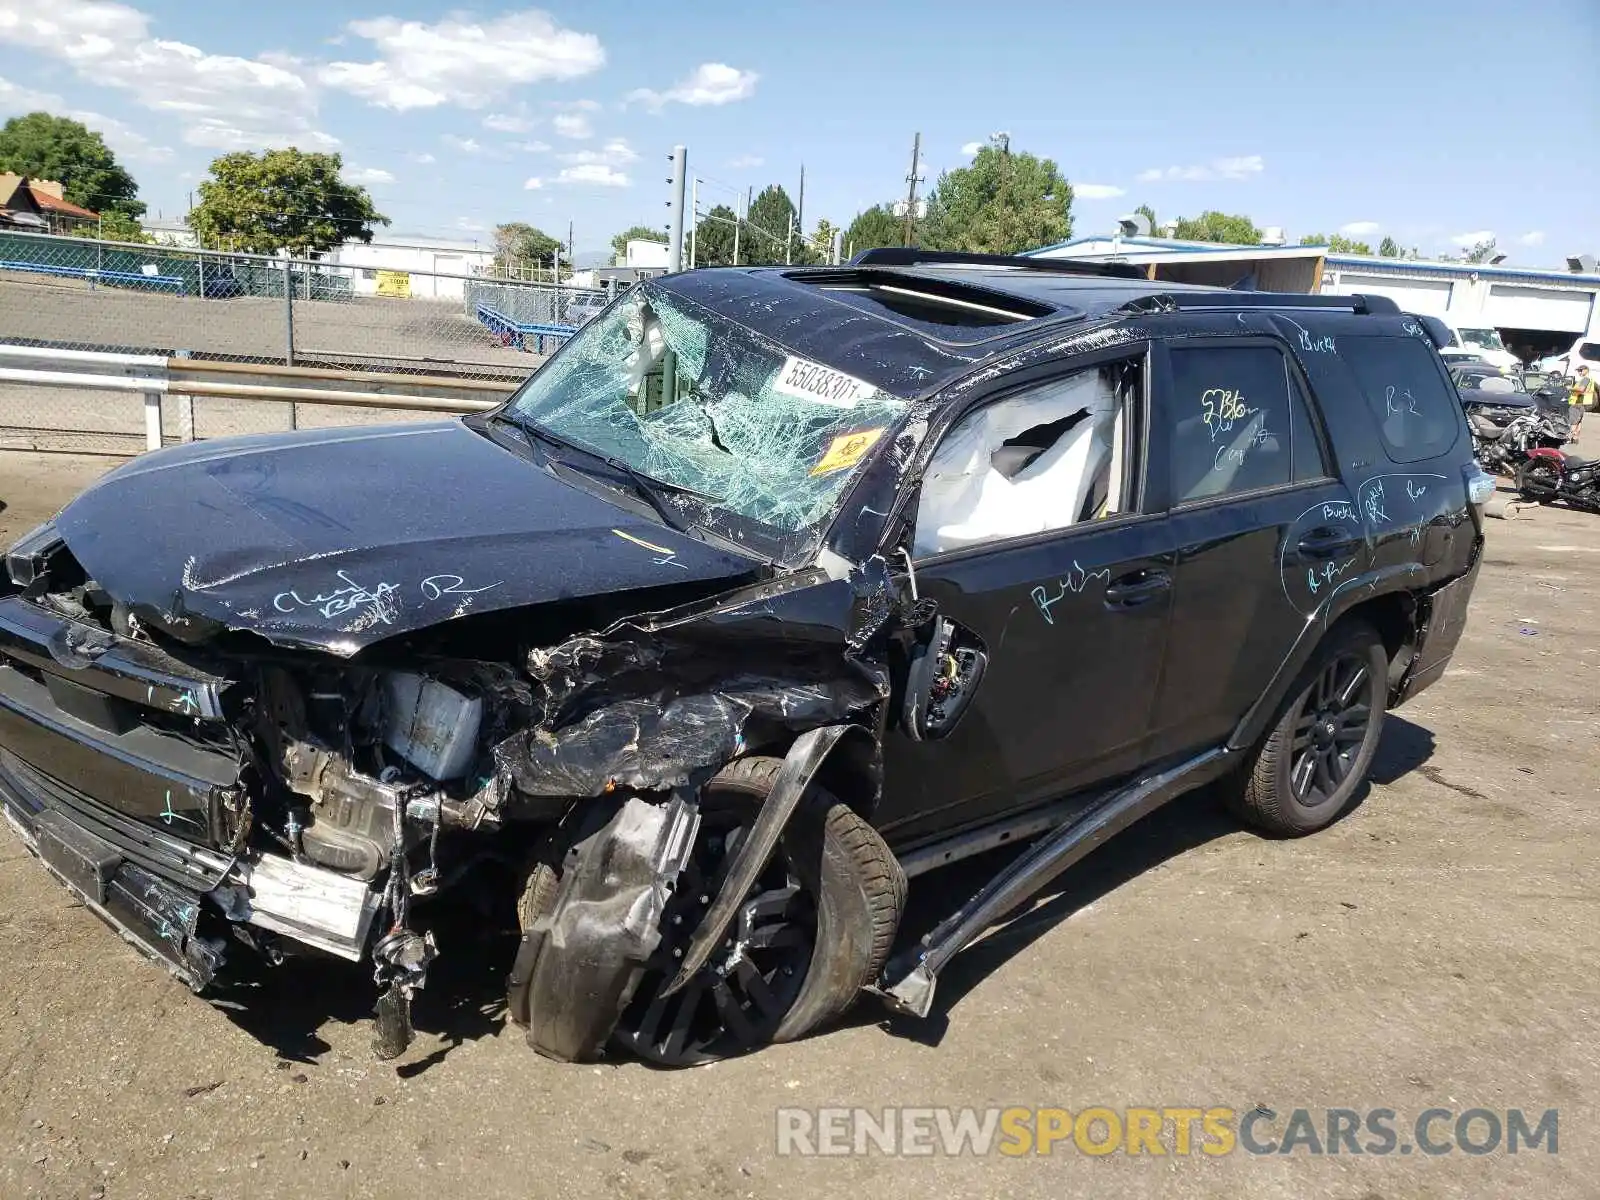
[846, 450]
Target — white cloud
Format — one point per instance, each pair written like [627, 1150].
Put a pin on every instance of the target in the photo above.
[1469, 240]
[572, 125]
[1096, 191]
[212, 133]
[532, 184]
[367, 176]
[593, 173]
[465, 145]
[424, 158]
[709, 83]
[468, 225]
[509, 122]
[533, 147]
[1242, 167]
[745, 162]
[614, 153]
[125, 141]
[972, 148]
[1360, 228]
[462, 60]
[1534, 237]
[223, 101]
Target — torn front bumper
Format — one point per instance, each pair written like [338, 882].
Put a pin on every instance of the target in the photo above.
[147, 887]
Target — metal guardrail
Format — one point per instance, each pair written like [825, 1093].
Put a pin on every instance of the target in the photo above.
[155, 376]
[95, 275]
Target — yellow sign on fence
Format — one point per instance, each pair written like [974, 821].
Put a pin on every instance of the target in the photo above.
[395, 283]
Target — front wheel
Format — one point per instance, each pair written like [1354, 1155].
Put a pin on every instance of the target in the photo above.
[1538, 480]
[815, 928]
[1309, 766]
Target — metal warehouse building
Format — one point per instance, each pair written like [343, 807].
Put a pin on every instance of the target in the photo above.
[1537, 312]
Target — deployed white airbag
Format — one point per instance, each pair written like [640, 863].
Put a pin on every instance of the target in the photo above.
[967, 500]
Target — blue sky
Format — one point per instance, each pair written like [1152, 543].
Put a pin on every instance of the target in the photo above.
[1432, 121]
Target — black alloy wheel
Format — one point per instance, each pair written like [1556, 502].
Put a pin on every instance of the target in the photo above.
[1330, 729]
[737, 1001]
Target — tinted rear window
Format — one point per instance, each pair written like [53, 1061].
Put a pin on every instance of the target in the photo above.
[1417, 411]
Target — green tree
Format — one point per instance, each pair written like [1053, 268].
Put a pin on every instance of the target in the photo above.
[114, 227]
[1338, 243]
[638, 233]
[1004, 202]
[1482, 252]
[519, 246]
[713, 239]
[768, 228]
[874, 228]
[282, 200]
[1389, 248]
[1213, 226]
[1149, 214]
[49, 147]
[821, 241]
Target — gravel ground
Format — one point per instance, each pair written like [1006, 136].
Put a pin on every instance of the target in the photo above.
[1435, 948]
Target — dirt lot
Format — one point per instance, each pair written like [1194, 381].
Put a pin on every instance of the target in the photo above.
[1437, 948]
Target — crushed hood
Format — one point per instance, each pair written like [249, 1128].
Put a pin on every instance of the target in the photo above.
[338, 539]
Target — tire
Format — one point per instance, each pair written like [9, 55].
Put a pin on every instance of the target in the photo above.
[1305, 772]
[841, 891]
[1547, 481]
[538, 896]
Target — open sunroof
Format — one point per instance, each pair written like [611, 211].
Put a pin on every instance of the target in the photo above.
[950, 311]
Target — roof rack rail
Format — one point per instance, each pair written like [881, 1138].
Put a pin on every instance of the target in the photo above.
[911, 256]
[1229, 301]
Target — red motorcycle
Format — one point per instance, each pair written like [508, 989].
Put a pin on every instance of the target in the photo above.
[1549, 474]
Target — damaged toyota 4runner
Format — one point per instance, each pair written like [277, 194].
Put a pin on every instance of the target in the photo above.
[771, 590]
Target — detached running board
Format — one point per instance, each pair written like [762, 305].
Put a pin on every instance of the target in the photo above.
[908, 981]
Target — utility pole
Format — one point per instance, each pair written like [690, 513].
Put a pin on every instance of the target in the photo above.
[570, 261]
[694, 220]
[911, 191]
[788, 242]
[738, 224]
[838, 244]
[800, 214]
[675, 183]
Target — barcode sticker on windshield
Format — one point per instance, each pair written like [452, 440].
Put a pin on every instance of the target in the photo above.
[822, 385]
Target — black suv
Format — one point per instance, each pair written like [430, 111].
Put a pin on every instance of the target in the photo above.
[772, 589]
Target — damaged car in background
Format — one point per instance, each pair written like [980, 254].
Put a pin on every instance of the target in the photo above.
[773, 589]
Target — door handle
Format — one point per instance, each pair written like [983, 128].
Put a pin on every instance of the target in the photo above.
[1138, 588]
[1327, 543]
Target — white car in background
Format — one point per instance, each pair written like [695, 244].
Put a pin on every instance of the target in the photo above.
[1485, 343]
[1584, 352]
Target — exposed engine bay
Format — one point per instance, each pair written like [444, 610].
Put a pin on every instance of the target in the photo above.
[356, 790]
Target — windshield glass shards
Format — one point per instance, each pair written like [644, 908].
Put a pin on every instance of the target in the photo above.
[685, 398]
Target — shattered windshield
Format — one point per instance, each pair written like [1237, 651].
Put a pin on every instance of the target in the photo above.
[687, 398]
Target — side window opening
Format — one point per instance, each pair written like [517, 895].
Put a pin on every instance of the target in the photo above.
[1417, 411]
[1232, 421]
[1043, 459]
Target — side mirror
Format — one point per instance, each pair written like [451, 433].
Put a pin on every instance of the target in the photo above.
[946, 667]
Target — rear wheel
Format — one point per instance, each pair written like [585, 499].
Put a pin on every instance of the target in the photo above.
[1308, 767]
[1538, 480]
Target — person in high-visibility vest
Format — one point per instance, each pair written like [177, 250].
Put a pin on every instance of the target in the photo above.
[1581, 396]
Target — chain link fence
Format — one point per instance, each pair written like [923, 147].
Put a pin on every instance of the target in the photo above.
[381, 319]
[78, 293]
